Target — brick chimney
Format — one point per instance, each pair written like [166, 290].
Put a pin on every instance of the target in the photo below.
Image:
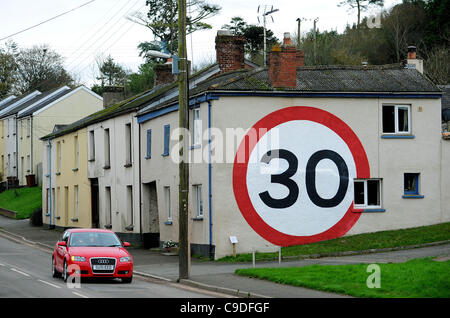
[163, 74]
[229, 51]
[113, 95]
[412, 61]
[283, 63]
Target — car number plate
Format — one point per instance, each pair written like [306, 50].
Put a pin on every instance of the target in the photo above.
[103, 267]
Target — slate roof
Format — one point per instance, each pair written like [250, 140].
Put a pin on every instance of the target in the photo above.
[43, 103]
[339, 79]
[445, 96]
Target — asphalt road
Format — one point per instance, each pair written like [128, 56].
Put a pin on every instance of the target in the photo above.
[25, 272]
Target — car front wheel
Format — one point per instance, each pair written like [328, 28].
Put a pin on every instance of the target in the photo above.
[65, 272]
[55, 273]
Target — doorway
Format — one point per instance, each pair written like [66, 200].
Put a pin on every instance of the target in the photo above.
[94, 203]
[151, 215]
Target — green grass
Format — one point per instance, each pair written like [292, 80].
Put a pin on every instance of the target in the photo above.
[23, 201]
[413, 279]
[359, 242]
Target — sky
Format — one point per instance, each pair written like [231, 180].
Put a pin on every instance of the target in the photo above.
[101, 28]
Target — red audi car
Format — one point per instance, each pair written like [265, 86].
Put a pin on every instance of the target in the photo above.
[92, 253]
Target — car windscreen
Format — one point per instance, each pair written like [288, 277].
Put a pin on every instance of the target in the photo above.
[94, 239]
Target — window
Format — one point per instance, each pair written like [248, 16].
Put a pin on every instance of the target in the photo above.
[107, 149]
[76, 151]
[76, 203]
[197, 128]
[198, 201]
[167, 201]
[58, 199]
[396, 119]
[29, 164]
[91, 146]
[58, 165]
[28, 127]
[166, 140]
[411, 185]
[128, 144]
[367, 193]
[149, 144]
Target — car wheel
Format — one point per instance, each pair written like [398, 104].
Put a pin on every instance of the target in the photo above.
[127, 280]
[65, 272]
[55, 273]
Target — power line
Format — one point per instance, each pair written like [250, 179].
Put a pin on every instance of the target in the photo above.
[36, 25]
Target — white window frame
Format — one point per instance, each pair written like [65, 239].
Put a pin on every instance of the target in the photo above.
[167, 203]
[365, 205]
[196, 127]
[198, 200]
[396, 128]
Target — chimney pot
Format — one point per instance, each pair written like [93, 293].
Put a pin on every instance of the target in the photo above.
[287, 39]
[412, 52]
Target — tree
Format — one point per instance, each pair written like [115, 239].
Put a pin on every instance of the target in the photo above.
[360, 5]
[254, 35]
[162, 19]
[8, 68]
[111, 73]
[40, 68]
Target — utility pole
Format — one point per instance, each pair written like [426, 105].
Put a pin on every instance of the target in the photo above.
[183, 112]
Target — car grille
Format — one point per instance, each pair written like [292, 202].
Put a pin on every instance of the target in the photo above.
[103, 265]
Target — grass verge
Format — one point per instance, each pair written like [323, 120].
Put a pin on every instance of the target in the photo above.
[359, 242]
[418, 278]
[22, 200]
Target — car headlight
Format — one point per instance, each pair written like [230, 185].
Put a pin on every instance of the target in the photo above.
[125, 259]
[78, 259]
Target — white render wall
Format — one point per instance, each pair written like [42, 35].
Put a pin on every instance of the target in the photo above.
[117, 176]
[389, 159]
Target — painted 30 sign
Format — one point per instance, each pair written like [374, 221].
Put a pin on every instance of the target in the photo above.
[299, 189]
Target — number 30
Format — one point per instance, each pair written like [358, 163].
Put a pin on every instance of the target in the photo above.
[310, 179]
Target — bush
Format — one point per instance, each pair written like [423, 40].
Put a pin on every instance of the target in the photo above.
[36, 217]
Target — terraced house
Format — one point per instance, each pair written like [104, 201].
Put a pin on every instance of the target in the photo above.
[28, 119]
[282, 155]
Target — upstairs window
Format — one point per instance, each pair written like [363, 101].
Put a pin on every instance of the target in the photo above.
[396, 119]
[166, 140]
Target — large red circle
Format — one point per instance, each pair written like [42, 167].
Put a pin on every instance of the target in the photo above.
[241, 163]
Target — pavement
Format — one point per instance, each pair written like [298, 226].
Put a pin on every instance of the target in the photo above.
[220, 277]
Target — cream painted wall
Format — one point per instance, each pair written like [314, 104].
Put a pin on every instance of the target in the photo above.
[65, 177]
[80, 103]
[389, 159]
[122, 179]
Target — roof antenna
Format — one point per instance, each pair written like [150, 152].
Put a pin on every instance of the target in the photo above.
[264, 15]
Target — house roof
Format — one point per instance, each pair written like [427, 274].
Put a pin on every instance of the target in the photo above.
[372, 79]
[6, 107]
[445, 96]
[38, 101]
[49, 97]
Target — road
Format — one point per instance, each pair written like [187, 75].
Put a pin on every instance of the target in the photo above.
[25, 273]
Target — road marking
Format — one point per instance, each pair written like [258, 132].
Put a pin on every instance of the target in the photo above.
[50, 284]
[80, 295]
[17, 271]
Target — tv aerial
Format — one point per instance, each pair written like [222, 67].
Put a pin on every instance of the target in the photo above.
[268, 11]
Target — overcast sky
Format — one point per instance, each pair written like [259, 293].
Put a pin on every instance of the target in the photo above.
[101, 28]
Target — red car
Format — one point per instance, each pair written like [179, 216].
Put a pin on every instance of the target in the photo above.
[92, 253]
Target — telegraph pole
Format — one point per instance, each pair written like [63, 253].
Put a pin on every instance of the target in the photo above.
[183, 112]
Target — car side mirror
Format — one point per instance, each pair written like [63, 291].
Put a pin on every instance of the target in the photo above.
[62, 243]
[126, 244]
